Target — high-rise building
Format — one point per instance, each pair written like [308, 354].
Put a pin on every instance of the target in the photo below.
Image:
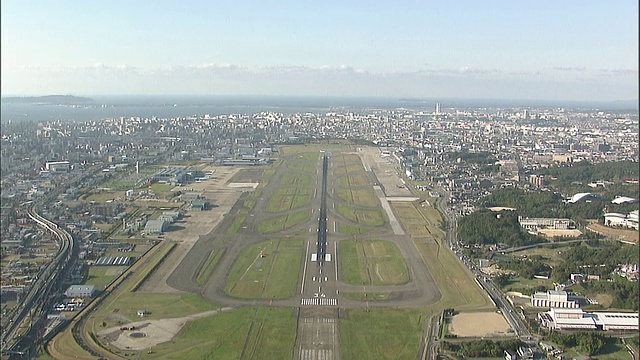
[437, 109]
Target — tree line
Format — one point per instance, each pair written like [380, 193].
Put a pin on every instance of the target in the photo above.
[482, 348]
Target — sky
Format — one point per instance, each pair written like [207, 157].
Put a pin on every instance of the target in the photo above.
[578, 50]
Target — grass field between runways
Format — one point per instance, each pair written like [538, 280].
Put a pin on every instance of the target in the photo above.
[353, 180]
[381, 333]
[360, 197]
[364, 217]
[372, 262]
[288, 199]
[266, 270]
[280, 223]
[294, 179]
[348, 229]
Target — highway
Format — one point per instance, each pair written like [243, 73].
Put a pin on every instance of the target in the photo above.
[32, 311]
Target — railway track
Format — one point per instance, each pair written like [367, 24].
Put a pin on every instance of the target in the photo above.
[33, 310]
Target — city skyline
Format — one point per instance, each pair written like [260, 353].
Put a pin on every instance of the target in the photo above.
[572, 50]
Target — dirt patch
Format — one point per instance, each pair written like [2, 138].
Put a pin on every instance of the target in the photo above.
[148, 333]
[622, 234]
[482, 324]
[571, 233]
[604, 299]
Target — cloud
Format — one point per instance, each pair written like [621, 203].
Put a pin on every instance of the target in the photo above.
[571, 83]
[563, 68]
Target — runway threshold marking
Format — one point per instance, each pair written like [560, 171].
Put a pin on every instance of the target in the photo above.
[319, 301]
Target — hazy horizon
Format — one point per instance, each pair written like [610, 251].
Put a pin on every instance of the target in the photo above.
[544, 51]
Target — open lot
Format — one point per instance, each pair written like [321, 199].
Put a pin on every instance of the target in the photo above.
[480, 324]
[101, 276]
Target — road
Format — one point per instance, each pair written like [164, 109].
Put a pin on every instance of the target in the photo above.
[502, 303]
[32, 311]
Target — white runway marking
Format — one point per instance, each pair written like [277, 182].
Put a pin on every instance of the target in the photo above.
[304, 271]
[319, 301]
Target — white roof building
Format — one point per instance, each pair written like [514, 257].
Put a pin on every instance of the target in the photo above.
[553, 299]
[617, 321]
[583, 197]
[622, 220]
[80, 291]
[559, 319]
[623, 200]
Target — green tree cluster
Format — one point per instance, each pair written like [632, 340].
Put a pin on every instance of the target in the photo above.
[601, 260]
[626, 294]
[585, 171]
[488, 227]
[543, 204]
[482, 348]
[527, 268]
[589, 342]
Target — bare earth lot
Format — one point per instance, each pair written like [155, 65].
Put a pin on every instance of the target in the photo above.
[622, 234]
[148, 333]
[482, 324]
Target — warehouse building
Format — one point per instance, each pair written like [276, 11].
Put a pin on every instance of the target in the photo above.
[80, 291]
[177, 175]
[155, 227]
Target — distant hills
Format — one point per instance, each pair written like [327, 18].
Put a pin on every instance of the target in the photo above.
[48, 100]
